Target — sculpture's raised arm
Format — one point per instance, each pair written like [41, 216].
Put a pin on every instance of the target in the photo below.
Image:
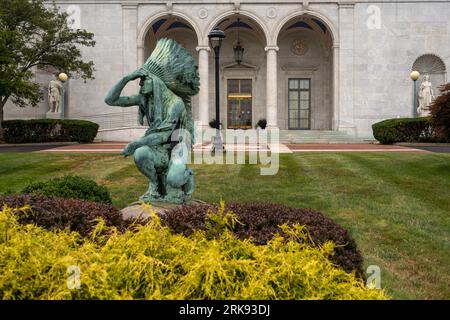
[113, 97]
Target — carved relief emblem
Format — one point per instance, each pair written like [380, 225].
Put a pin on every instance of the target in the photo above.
[202, 13]
[299, 47]
[271, 12]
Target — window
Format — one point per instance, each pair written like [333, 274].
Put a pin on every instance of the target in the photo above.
[299, 104]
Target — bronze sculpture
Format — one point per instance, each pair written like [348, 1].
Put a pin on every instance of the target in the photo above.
[168, 80]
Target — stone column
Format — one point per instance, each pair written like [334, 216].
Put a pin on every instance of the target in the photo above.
[335, 118]
[129, 63]
[346, 67]
[129, 45]
[203, 70]
[271, 87]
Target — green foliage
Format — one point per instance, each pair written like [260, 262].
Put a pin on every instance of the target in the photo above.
[440, 113]
[35, 36]
[219, 222]
[49, 130]
[404, 130]
[70, 187]
[152, 263]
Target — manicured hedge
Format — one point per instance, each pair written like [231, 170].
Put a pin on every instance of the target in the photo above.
[70, 187]
[260, 221]
[60, 213]
[404, 130]
[153, 263]
[49, 130]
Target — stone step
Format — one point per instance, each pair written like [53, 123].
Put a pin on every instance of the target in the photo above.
[316, 136]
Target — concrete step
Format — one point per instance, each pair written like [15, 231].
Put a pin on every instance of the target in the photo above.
[316, 136]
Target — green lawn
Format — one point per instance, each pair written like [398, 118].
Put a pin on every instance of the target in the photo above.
[396, 205]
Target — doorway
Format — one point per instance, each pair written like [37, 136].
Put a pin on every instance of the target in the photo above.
[239, 103]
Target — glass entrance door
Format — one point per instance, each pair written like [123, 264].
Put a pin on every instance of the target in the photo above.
[299, 99]
[239, 100]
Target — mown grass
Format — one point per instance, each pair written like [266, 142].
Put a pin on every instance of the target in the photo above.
[396, 205]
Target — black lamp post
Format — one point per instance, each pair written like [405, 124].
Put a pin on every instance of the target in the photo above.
[215, 40]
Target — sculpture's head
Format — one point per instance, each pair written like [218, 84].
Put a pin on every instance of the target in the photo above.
[427, 77]
[146, 86]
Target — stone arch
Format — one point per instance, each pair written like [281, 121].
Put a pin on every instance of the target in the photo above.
[173, 25]
[316, 62]
[315, 14]
[259, 23]
[429, 63]
[145, 28]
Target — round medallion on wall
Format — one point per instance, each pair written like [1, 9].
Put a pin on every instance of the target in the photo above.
[202, 13]
[271, 12]
[299, 47]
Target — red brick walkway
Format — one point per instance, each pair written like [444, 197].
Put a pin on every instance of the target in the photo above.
[367, 147]
[117, 147]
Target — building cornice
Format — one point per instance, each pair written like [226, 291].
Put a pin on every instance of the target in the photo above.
[247, 2]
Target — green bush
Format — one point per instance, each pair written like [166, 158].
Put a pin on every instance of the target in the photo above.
[70, 187]
[404, 130]
[150, 262]
[49, 130]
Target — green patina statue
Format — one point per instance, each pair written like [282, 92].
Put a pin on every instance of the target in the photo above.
[168, 80]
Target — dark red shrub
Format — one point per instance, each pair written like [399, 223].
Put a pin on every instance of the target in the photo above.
[75, 214]
[261, 221]
[440, 113]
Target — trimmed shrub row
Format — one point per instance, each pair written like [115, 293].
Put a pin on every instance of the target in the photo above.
[258, 222]
[49, 130]
[70, 187]
[404, 130]
[261, 221]
[153, 263]
[59, 213]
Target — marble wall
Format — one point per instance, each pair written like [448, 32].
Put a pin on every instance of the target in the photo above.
[360, 75]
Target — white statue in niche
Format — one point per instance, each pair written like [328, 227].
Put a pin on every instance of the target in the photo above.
[54, 95]
[426, 97]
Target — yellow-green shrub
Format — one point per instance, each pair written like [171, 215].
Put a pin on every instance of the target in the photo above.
[152, 263]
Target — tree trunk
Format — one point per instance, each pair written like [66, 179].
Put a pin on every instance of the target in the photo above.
[2, 106]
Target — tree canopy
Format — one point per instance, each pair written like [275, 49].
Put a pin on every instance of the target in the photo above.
[36, 36]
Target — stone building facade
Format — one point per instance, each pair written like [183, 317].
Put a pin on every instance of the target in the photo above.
[325, 65]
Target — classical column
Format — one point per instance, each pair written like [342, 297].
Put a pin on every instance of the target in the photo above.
[129, 62]
[129, 45]
[203, 70]
[335, 121]
[271, 87]
[346, 55]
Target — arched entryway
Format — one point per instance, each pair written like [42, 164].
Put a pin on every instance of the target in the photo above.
[243, 78]
[305, 74]
[172, 27]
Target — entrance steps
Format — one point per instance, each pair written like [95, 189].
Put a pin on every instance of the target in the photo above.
[317, 136]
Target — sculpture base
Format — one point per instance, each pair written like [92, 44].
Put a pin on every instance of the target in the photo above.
[53, 115]
[135, 209]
